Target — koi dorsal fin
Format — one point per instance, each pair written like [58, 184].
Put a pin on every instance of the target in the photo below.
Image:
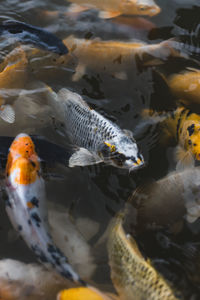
[66, 95]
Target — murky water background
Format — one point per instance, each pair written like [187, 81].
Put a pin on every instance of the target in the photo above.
[98, 192]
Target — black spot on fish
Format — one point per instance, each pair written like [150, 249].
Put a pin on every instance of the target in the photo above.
[189, 113]
[133, 159]
[189, 142]
[42, 257]
[19, 228]
[36, 219]
[35, 201]
[190, 129]
[7, 202]
[33, 163]
[39, 253]
[179, 121]
[56, 259]
[51, 248]
[66, 274]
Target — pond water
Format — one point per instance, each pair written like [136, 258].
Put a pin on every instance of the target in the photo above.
[98, 192]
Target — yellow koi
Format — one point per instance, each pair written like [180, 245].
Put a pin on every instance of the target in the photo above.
[113, 8]
[183, 126]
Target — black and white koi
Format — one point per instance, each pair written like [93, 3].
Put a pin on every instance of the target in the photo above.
[98, 139]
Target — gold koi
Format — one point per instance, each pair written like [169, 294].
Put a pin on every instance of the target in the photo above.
[132, 275]
[113, 8]
[114, 57]
[186, 86]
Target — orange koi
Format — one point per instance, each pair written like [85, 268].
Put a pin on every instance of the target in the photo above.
[82, 293]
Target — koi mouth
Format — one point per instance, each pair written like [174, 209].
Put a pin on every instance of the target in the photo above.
[138, 162]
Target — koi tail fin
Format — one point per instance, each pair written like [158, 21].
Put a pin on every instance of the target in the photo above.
[184, 159]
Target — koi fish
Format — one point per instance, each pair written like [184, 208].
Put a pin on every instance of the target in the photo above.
[13, 75]
[82, 293]
[183, 126]
[21, 281]
[177, 192]
[186, 86]
[98, 139]
[113, 56]
[32, 35]
[26, 205]
[112, 8]
[133, 276]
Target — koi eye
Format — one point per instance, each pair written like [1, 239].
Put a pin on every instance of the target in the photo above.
[142, 8]
[119, 158]
[194, 144]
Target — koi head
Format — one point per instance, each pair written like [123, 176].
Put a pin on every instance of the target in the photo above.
[190, 137]
[122, 152]
[140, 7]
[23, 162]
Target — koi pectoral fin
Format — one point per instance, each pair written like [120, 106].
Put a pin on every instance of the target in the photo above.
[108, 14]
[121, 75]
[79, 72]
[7, 113]
[83, 157]
[76, 8]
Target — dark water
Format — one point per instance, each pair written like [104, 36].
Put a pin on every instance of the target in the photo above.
[98, 192]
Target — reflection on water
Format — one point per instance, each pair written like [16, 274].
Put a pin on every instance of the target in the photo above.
[98, 192]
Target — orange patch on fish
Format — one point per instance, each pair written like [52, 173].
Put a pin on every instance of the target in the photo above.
[81, 293]
[30, 205]
[22, 157]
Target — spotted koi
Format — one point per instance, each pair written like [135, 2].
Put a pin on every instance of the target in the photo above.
[184, 126]
[26, 205]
